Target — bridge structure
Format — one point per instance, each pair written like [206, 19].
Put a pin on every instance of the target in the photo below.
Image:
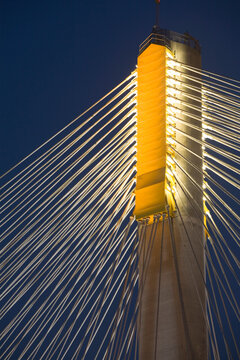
[121, 232]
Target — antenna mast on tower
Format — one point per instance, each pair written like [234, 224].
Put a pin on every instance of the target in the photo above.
[157, 12]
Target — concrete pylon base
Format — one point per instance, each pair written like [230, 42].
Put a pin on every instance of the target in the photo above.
[171, 320]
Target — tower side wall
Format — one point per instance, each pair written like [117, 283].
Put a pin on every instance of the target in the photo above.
[190, 247]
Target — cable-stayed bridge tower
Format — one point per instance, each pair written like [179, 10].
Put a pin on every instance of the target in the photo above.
[171, 321]
[121, 232]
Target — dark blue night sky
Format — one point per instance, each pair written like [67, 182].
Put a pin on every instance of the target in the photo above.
[58, 57]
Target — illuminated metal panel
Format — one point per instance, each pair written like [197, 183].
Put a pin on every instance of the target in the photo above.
[151, 131]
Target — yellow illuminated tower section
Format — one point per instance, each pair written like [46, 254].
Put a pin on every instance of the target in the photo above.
[151, 131]
[180, 332]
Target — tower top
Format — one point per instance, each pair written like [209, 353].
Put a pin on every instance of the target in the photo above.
[165, 37]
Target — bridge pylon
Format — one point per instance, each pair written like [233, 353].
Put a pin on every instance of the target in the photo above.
[171, 320]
